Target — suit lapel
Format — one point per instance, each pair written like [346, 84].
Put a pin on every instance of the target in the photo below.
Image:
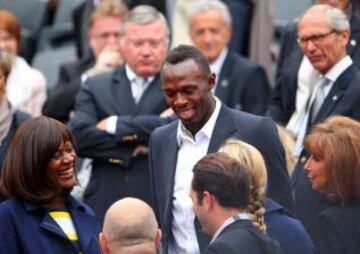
[169, 173]
[85, 224]
[150, 98]
[224, 127]
[122, 99]
[335, 94]
[223, 79]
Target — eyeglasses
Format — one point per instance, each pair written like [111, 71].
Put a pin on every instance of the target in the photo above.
[316, 38]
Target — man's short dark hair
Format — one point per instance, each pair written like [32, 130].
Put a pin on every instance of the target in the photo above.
[182, 53]
[225, 178]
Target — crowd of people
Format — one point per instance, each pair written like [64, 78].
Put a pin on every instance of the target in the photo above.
[190, 148]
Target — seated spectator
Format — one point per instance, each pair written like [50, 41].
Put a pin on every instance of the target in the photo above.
[104, 39]
[130, 227]
[220, 192]
[280, 224]
[10, 118]
[26, 86]
[334, 169]
[38, 174]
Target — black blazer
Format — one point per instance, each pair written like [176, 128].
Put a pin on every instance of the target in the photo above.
[61, 99]
[242, 84]
[258, 131]
[283, 98]
[117, 172]
[343, 99]
[242, 237]
[337, 230]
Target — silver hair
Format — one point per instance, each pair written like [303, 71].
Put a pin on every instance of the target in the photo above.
[206, 5]
[144, 15]
[336, 18]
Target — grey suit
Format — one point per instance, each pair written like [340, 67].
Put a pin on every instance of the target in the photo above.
[258, 131]
[116, 172]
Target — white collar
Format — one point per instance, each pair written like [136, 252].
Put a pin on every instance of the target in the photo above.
[131, 75]
[239, 216]
[207, 129]
[338, 69]
[216, 65]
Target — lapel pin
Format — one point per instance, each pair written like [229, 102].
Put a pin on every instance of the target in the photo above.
[352, 42]
[335, 98]
[224, 83]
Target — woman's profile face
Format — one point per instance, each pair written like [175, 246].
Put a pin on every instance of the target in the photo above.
[316, 170]
[61, 169]
[8, 42]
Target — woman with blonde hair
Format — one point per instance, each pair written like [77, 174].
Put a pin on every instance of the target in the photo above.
[268, 215]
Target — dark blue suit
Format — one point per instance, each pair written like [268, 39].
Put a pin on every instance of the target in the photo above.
[343, 99]
[241, 237]
[337, 229]
[242, 84]
[288, 231]
[18, 118]
[28, 228]
[283, 98]
[116, 173]
[258, 131]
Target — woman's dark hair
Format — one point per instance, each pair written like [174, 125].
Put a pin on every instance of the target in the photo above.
[24, 172]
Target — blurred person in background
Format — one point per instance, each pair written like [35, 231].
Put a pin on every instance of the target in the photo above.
[40, 215]
[334, 170]
[26, 86]
[104, 39]
[10, 118]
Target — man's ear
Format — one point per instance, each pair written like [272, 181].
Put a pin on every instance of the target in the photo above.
[207, 200]
[158, 239]
[103, 243]
[211, 81]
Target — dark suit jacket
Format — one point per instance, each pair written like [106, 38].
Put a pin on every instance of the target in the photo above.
[343, 99]
[241, 237]
[61, 98]
[18, 118]
[283, 98]
[286, 230]
[337, 230]
[28, 228]
[116, 172]
[258, 131]
[242, 84]
[241, 12]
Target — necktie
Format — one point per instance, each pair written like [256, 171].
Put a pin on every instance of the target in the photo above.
[139, 84]
[319, 98]
[315, 104]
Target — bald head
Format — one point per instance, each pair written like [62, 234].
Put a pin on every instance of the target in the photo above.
[130, 226]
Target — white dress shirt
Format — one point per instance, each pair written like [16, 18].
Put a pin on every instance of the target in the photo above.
[307, 78]
[191, 150]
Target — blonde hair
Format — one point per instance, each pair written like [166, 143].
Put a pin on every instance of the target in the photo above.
[252, 158]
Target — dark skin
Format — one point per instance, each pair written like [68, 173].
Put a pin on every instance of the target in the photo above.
[188, 92]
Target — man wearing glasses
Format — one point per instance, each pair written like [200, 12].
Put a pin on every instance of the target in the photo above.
[323, 35]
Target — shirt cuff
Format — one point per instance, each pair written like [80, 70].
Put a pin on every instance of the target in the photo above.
[111, 124]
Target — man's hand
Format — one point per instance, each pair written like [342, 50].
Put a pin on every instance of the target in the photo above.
[108, 59]
[102, 124]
